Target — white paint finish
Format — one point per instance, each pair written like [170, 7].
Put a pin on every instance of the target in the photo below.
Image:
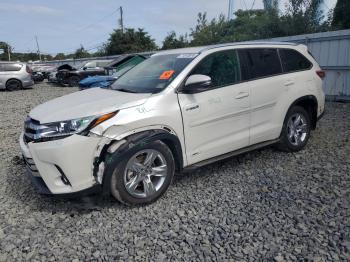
[74, 155]
[91, 102]
[215, 121]
[159, 111]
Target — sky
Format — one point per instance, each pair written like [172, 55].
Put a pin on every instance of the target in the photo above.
[64, 25]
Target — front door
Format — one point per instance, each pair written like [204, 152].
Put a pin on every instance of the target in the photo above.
[216, 121]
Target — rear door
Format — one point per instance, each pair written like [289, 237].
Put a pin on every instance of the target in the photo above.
[216, 121]
[262, 68]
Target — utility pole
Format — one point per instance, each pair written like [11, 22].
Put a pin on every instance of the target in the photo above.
[9, 52]
[230, 10]
[37, 44]
[121, 22]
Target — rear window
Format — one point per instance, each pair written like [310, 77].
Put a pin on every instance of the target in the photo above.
[293, 61]
[11, 67]
[259, 62]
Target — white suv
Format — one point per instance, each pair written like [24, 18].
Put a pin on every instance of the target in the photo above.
[179, 110]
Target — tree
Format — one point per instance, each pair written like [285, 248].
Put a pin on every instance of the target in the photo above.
[216, 31]
[256, 24]
[302, 17]
[171, 41]
[248, 25]
[129, 41]
[341, 16]
[6, 48]
[59, 56]
[81, 53]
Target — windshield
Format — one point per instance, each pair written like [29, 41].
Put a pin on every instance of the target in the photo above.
[89, 64]
[154, 74]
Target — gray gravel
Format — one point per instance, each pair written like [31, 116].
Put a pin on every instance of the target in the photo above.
[264, 205]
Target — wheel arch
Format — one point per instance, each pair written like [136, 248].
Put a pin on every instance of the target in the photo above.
[131, 140]
[13, 78]
[310, 104]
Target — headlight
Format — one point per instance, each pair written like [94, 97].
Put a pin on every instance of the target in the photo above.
[64, 128]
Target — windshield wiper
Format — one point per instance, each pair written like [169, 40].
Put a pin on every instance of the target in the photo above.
[125, 90]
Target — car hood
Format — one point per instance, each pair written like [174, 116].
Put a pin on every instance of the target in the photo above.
[95, 101]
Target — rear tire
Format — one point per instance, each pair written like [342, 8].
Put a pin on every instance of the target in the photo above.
[13, 84]
[140, 175]
[295, 131]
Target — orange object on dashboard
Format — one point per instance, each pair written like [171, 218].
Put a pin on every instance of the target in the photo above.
[166, 74]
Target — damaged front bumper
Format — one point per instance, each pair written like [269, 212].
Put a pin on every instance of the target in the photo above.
[62, 167]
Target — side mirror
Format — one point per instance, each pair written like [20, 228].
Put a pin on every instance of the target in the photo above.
[84, 68]
[196, 84]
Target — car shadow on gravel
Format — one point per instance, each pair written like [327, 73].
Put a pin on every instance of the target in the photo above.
[20, 188]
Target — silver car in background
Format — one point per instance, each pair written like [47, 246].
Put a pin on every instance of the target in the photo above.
[15, 76]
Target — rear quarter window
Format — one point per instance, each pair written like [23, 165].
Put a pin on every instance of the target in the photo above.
[11, 67]
[293, 61]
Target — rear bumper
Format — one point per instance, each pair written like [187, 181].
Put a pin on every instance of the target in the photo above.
[27, 83]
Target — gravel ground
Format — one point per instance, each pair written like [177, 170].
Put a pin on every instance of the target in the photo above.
[264, 205]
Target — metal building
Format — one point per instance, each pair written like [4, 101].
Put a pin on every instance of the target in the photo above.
[332, 51]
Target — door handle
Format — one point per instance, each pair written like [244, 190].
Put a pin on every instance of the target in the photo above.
[242, 95]
[289, 83]
[191, 107]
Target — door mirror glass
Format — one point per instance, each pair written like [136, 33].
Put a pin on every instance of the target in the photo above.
[197, 83]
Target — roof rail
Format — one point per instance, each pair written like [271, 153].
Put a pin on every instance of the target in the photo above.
[247, 43]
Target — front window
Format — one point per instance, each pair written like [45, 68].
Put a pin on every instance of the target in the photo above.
[222, 67]
[154, 74]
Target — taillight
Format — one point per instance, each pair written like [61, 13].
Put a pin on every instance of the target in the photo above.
[321, 74]
[29, 70]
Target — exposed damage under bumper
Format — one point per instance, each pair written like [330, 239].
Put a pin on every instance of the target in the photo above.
[76, 165]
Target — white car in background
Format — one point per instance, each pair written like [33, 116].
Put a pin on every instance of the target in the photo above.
[15, 76]
[178, 110]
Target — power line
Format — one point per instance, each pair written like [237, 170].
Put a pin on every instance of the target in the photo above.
[90, 25]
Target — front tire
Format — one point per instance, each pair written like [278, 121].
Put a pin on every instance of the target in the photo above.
[296, 130]
[73, 81]
[142, 174]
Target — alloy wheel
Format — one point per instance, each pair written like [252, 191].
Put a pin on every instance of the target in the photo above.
[297, 129]
[145, 173]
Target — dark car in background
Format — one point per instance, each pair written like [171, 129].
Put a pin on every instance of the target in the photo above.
[120, 66]
[41, 71]
[71, 78]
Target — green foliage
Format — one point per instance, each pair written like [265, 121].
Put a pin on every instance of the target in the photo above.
[171, 41]
[129, 41]
[59, 56]
[341, 17]
[301, 17]
[81, 53]
[4, 47]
